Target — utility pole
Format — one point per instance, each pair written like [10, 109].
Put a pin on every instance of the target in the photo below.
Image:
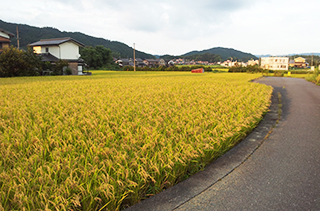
[134, 57]
[18, 39]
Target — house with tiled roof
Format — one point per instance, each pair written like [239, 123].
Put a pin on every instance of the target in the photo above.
[67, 49]
[155, 62]
[5, 39]
[300, 62]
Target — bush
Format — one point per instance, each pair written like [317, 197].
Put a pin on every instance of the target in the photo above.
[68, 71]
[185, 68]
[161, 68]
[318, 79]
[128, 68]
[207, 69]
[58, 67]
[315, 77]
[173, 68]
[237, 69]
[113, 66]
[254, 69]
[278, 73]
[14, 62]
[145, 68]
[300, 71]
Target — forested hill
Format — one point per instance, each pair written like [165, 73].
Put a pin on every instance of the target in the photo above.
[30, 34]
[225, 54]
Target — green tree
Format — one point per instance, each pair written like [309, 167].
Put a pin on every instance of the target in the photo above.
[11, 62]
[105, 53]
[33, 63]
[97, 57]
[14, 62]
[58, 67]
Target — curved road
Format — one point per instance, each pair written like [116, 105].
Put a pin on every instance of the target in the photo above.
[279, 171]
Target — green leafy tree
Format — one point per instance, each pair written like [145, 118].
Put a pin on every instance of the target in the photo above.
[33, 63]
[105, 53]
[58, 67]
[11, 62]
[97, 57]
[14, 62]
[128, 68]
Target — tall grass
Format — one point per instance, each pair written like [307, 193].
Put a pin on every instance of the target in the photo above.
[315, 77]
[110, 140]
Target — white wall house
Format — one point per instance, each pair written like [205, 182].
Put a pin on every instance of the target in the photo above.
[60, 48]
[275, 63]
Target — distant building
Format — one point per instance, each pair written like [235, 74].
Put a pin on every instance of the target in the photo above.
[123, 62]
[253, 62]
[162, 62]
[52, 50]
[5, 39]
[229, 63]
[291, 63]
[300, 62]
[152, 62]
[275, 63]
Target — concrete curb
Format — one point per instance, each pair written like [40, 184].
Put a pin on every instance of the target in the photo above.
[181, 193]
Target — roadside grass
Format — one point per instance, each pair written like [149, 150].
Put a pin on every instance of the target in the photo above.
[112, 139]
[297, 75]
[315, 77]
[292, 75]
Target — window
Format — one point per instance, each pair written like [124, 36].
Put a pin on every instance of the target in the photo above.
[47, 50]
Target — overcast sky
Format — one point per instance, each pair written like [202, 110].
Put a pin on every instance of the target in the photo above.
[178, 26]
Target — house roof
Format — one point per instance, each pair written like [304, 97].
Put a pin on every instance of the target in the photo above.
[299, 59]
[6, 32]
[124, 60]
[153, 60]
[48, 57]
[56, 41]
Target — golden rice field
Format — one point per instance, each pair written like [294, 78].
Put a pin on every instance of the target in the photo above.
[107, 141]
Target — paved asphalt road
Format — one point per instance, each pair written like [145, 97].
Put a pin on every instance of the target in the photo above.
[278, 172]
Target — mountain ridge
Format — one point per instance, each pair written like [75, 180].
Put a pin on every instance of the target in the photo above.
[29, 34]
[225, 53]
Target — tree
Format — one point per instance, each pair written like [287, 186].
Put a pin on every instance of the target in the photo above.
[11, 62]
[105, 53]
[58, 67]
[97, 57]
[14, 62]
[33, 63]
